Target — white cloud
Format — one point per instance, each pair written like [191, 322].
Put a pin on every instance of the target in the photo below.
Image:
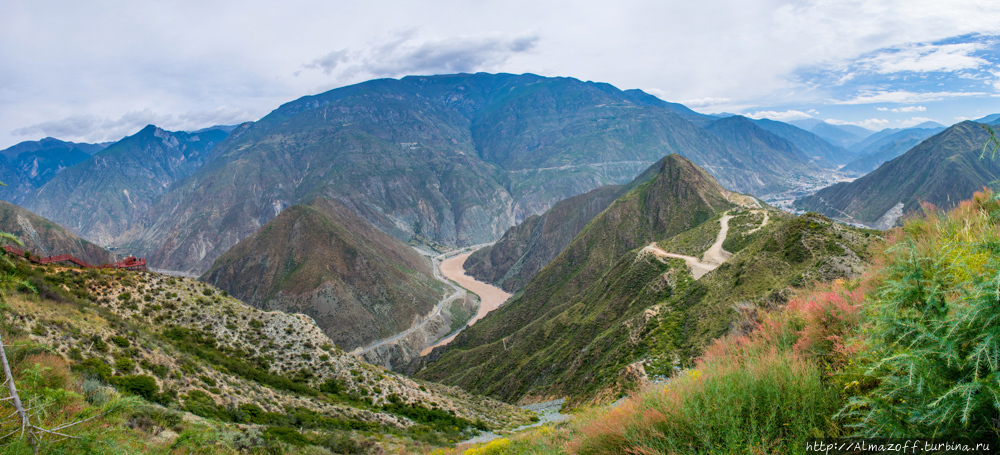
[780, 116]
[92, 128]
[872, 123]
[902, 109]
[906, 97]
[925, 58]
[706, 102]
[406, 52]
[63, 60]
[914, 121]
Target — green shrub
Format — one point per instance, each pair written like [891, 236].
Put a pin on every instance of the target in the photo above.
[159, 370]
[124, 364]
[94, 367]
[139, 385]
[120, 341]
[934, 342]
[286, 435]
[98, 344]
[332, 386]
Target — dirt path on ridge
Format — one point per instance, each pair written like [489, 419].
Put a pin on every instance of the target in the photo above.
[713, 257]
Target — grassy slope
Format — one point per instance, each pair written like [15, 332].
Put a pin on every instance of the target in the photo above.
[893, 354]
[216, 357]
[358, 283]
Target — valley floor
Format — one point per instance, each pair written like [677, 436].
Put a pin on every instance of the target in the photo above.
[491, 297]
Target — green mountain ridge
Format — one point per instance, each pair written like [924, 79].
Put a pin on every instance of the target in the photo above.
[525, 249]
[942, 170]
[680, 197]
[528, 247]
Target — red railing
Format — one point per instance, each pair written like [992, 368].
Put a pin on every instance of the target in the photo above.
[129, 263]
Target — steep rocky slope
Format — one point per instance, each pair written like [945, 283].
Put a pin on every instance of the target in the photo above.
[767, 150]
[323, 260]
[42, 237]
[942, 170]
[104, 197]
[815, 147]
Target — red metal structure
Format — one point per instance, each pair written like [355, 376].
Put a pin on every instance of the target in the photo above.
[129, 263]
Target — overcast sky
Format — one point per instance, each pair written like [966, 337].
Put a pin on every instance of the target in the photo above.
[99, 70]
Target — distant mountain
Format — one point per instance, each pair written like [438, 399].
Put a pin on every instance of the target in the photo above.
[103, 197]
[42, 237]
[888, 145]
[454, 159]
[839, 135]
[690, 115]
[27, 166]
[943, 170]
[768, 150]
[358, 283]
[877, 140]
[815, 147]
[930, 124]
[991, 119]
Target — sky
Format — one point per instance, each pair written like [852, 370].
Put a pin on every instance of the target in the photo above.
[100, 70]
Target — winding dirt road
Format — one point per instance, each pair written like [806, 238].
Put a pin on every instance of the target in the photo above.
[713, 257]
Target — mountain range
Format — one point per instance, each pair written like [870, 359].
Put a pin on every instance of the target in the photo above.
[942, 170]
[838, 135]
[27, 166]
[104, 197]
[453, 159]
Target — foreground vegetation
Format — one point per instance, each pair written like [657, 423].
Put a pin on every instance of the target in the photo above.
[908, 350]
[118, 362]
